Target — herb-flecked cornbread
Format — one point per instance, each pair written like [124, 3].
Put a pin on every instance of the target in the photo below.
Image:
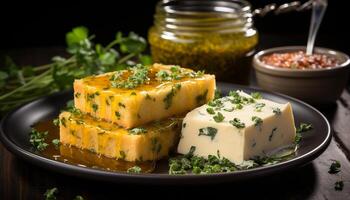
[143, 94]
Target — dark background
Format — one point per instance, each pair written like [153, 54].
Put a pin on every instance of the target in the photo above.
[38, 24]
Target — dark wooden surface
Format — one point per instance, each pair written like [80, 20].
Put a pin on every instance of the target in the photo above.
[21, 180]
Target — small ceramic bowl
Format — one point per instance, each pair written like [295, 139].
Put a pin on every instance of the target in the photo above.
[315, 86]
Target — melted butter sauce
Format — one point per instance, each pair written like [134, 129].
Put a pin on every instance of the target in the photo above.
[84, 158]
[102, 82]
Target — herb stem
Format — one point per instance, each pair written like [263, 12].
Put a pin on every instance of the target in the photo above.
[126, 58]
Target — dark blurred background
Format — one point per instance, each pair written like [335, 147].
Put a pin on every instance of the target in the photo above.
[31, 24]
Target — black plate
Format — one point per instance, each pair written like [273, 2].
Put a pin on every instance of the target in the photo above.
[17, 124]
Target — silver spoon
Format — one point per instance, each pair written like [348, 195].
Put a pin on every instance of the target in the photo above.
[318, 9]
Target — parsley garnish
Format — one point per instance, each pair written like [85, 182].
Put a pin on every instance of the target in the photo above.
[56, 143]
[201, 99]
[237, 123]
[94, 107]
[217, 94]
[122, 155]
[211, 111]
[137, 131]
[303, 127]
[334, 168]
[134, 170]
[218, 117]
[259, 106]
[272, 133]
[277, 111]
[256, 95]
[139, 75]
[257, 121]
[169, 97]
[208, 131]
[37, 139]
[50, 194]
[117, 114]
[339, 185]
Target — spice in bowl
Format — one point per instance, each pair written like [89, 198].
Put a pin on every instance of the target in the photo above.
[300, 60]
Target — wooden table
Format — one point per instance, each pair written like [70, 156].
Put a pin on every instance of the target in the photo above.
[21, 180]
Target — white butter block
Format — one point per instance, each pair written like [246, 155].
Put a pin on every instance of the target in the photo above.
[244, 128]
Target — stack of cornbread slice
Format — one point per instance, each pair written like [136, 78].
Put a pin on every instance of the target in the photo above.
[134, 114]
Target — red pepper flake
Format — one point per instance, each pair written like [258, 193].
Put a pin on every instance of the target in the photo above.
[299, 60]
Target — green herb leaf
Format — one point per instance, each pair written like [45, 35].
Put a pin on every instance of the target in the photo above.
[257, 121]
[259, 107]
[256, 95]
[208, 131]
[37, 139]
[303, 127]
[134, 170]
[211, 111]
[339, 185]
[56, 143]
[277, 111]
[77, 35]
[218, 117]
[137, 131]
[50, 194]
[334, 168]
[237, 123]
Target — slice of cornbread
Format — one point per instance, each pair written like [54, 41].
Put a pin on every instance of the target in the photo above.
[151, 142]
[143, 94]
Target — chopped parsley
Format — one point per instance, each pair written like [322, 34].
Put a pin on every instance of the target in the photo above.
[169, 97]
[257, 121]
[137, 131]
[37, 139]
[208, 131]
[122, 155]
[50, 194]
[120, 104]
[138, 76]
[334, 168]
[239, 106]
[259, 106]
[272, 133]
[256, 95]
[211, 111]
[217, 94]
[339, 185]
[134, 170]
[237, 123]
[77, 95]
[117, 114]
[277, 111]
[190, 163]
[94, 107]
[218, 117]
[200, 99]
[303, 127]
[56, 143]
[56, 122]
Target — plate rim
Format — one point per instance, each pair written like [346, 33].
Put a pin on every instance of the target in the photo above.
[99, 174]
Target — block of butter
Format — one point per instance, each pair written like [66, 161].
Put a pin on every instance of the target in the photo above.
[143, 94]
[237, 127]
[149, 142]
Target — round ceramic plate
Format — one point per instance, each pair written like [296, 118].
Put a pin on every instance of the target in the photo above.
[17, 124]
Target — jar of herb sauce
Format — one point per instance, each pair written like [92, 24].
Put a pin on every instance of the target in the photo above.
[215, 36]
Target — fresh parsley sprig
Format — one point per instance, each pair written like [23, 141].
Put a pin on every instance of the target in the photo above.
[19, 85]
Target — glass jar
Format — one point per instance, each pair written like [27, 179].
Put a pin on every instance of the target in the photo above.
[215, 36]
